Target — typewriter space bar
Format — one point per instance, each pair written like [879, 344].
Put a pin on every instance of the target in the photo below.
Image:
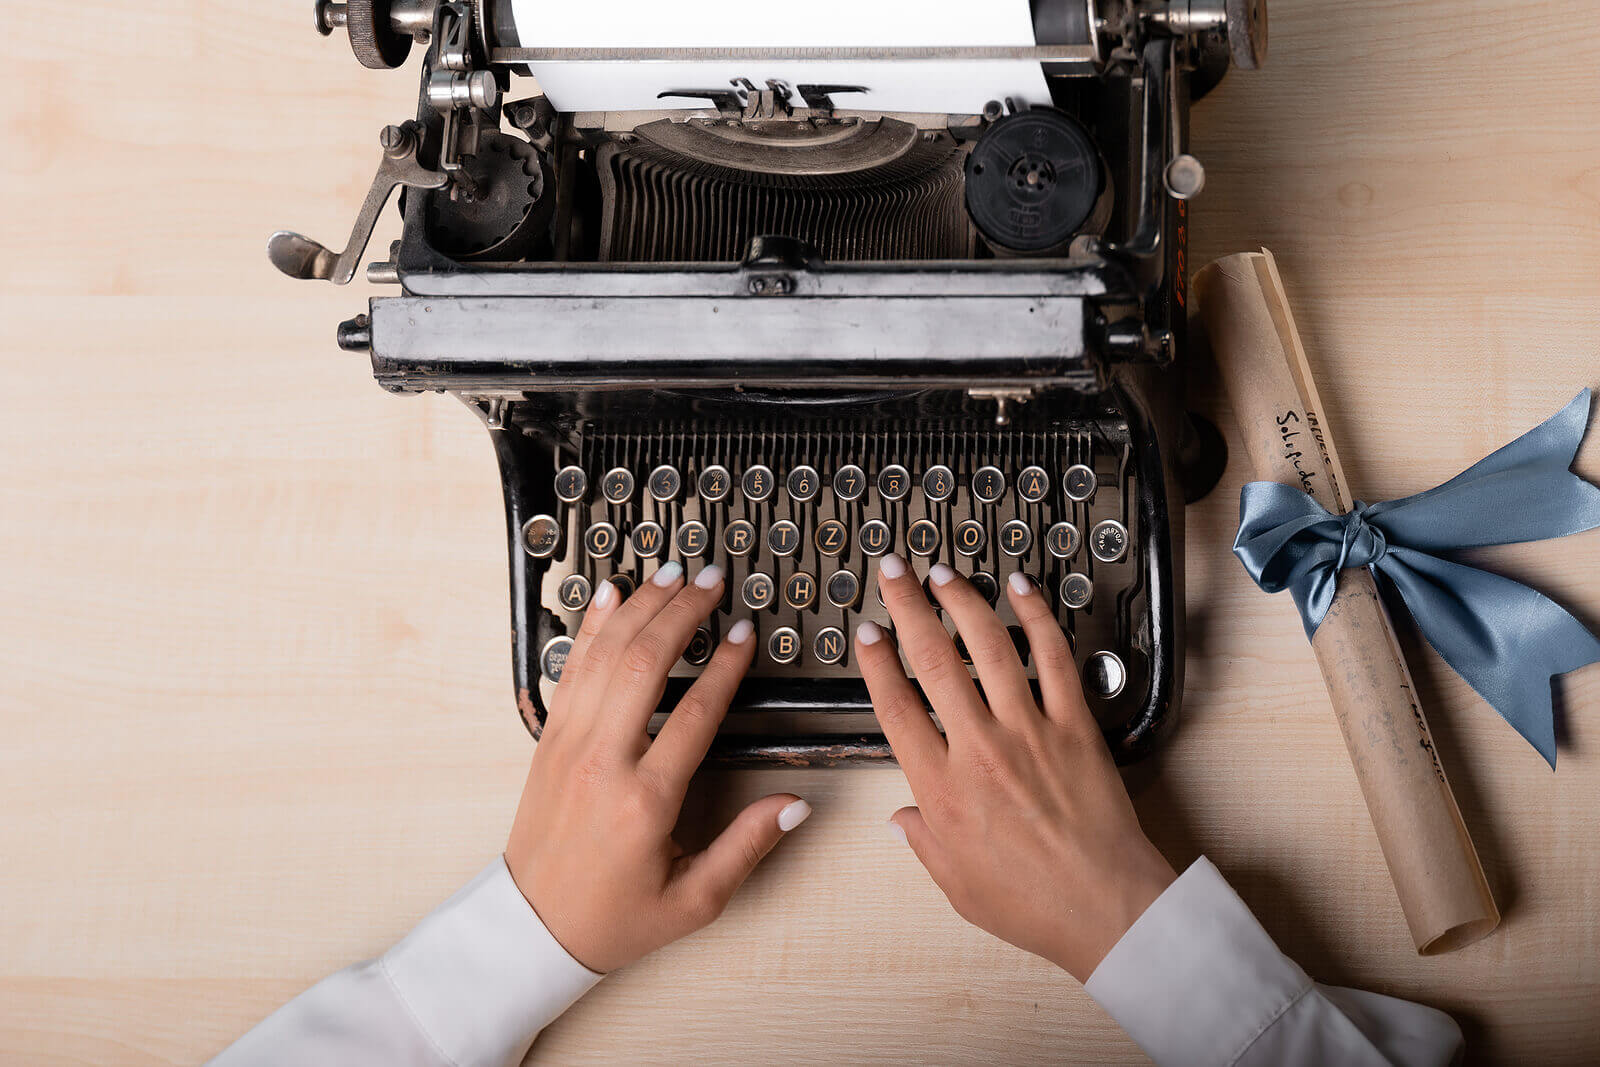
[534, 343]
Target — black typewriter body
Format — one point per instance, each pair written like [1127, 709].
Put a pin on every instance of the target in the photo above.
[788, 338]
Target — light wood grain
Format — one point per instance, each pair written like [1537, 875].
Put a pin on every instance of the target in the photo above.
[254, 686]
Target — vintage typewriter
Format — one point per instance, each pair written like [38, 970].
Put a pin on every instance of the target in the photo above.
[735, 307]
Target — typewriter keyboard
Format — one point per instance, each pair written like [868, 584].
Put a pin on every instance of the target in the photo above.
[799, 521]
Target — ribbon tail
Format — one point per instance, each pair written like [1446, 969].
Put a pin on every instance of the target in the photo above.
[1506, 640]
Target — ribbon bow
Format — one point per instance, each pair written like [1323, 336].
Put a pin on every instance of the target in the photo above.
[1505, 639]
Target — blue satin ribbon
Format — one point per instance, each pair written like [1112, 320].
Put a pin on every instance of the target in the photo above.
[1505, 639]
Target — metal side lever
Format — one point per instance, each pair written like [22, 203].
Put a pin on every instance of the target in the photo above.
[301, 257]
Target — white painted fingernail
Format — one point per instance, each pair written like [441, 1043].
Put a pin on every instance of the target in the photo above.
[869, 633]
[709, 578]
[669, 572]
[793, 815]
[741, 632]
[605, 596]
[940, 574]
[1021, 584]
[891, 566]
[898, 832]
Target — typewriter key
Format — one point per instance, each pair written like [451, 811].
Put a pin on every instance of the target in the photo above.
[1076, 591]
[698, 654]
[649, 539]
[572, 484]
[575, 592]
[715, 483]
[665, 483]
[758, 592]
[739, 538]
[1109, 541]
[829, 645]
[1016, 537]
[844, 589]
[784, 645]
[1081, 482]
[923, 537]
[1033, 485]
[970, 537]
[831, 538]
[874, 537]
[849, 482]
[600, 540]
[985, 584]
[800, 591]
[693, 538]
[803, 484]
[624, 585]
[1062, 540]
[988, 484]
[1104, 675]
[783, 538]
[939, 484]
[758, 483]
[553, 657]
[617, 485]
[541, 535]
[894, 482]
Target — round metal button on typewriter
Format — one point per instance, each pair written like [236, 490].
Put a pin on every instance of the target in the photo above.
[970, 537]
[1076, 591]
[844, 589]
[540, 536]
[758, 592]
[572, 484]
[831, 538]
[1033, 484]
[923, 537]
[1105, 674]
[939, 484]
[1080, 482]
[783, 538]
[739, 538]
[693, 538]
[986, 585]
[715, 483]
[784, 645]
[1016, 537]
[617, 485]
[800, 591]
[803, 484]
[649, 539]
[600, 540]
[698, 654]
[575, 592]
[849, 482]
[894, 482]
[874, 537]
[988, 484]
[624, 584]
[829, 645]
[758, 483]
[1109, 541]
[665, 483]
[1062, 540]
[553, 657]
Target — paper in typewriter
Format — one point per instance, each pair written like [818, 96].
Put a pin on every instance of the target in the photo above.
[936, 85]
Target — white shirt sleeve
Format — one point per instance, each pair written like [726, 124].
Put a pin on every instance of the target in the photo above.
[1196, 980]
[472, 985]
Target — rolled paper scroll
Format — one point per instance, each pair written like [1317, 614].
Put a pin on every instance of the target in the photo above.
[1431, 859]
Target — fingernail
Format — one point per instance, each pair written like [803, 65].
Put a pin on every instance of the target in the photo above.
[668, 573]
[741, 632]
[898, 832]
[869, 633]
[605, 596]
[709, 578]
[940, 574]
[1021, 584]
[891, 566]
[793, 815]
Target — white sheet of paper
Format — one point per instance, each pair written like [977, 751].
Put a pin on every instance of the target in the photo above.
[960, 86]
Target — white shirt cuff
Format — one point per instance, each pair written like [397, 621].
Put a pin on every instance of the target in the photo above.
[482, 976]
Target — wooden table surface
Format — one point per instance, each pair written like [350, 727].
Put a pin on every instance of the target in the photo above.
[254, 685]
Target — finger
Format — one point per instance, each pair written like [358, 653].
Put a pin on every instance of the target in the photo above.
[607, 598]
[1005, 684]
[710, 878]
[1059, 684]
[909, 826]
[639, 675]
[912, 734]
[686, 737]
[933, 657]
[592, 674]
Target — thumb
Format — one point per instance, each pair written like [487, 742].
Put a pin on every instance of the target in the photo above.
[710, 878]
[909, 825]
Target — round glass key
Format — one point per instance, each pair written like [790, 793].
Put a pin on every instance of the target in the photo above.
[1033, 484]
[553, 657]
[715, 483]
[649, 540]
[665, 483]
[739, 538]
[541, 535]
[758, 591]
[617, 485]
[894, 482]
[849, 482]
[874, 537]
[1080, 482]
[1016, 538]
[970, 537]
[693, 538]
[575, 591]
[758, 483]
[1062, 540]
[1105, 675]
[988, 484]
[600, 540]
[783, 538]
[844, 589]
[803, 484]
[986, 585]
[939, 484]
[1076, 591]
[923, 537]
[1109, 541]
[784, 645]
[800, 591]
[698, 654]
[572, 485]
[831, 537]
[829, 645]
